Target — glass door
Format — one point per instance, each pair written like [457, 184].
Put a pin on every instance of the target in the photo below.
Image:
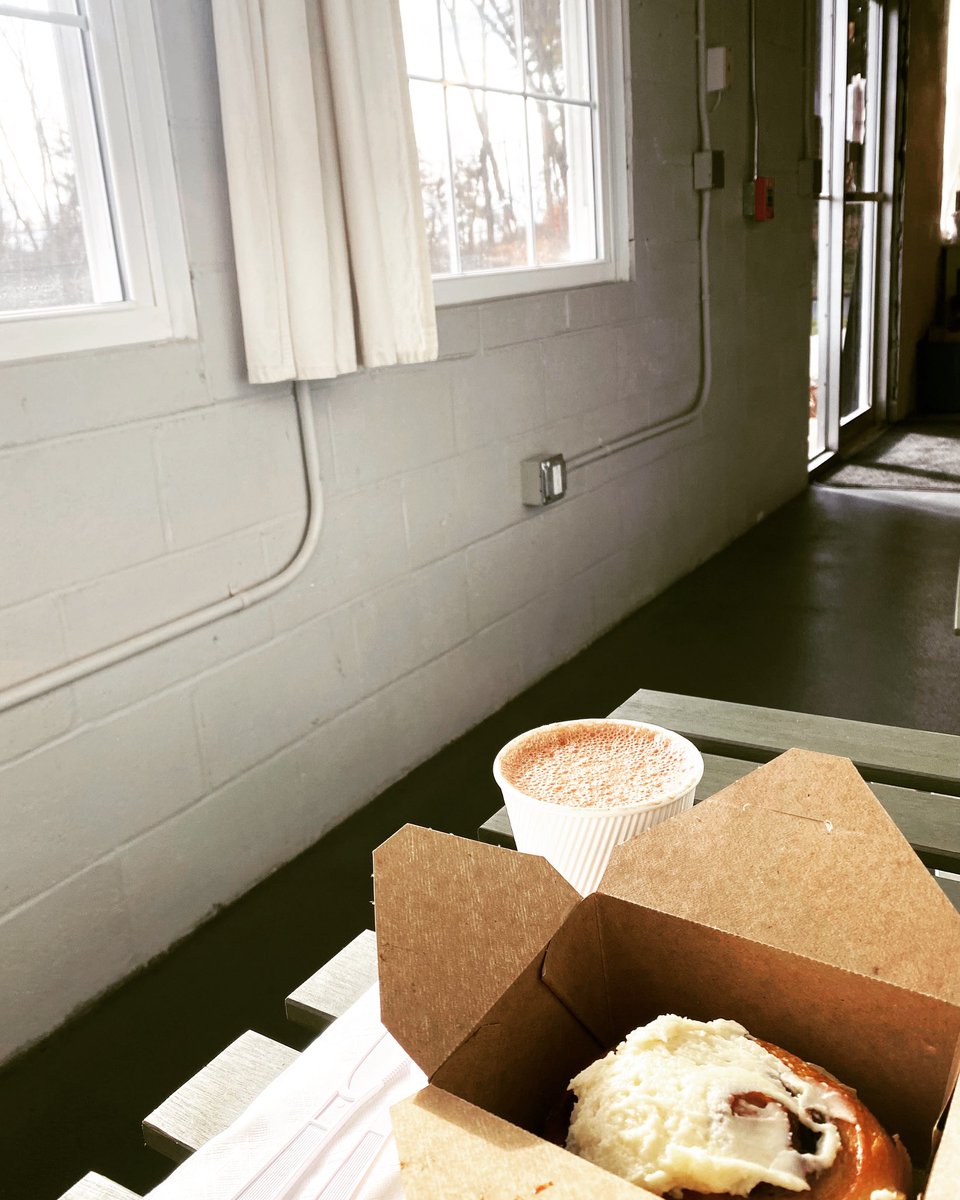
[855, 102]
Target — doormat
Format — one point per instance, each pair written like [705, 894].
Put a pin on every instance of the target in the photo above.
[921, 457]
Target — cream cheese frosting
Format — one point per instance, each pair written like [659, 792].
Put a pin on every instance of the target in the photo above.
[701, 1105]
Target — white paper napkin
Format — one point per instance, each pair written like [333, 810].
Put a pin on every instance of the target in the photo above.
[228, 1164]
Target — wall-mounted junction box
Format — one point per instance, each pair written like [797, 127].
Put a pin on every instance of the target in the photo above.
[719, 68]
[758, 198]
[543, 479]
[708, 170]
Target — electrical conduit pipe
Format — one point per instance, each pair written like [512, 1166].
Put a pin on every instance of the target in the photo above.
[39, 685]
[577, 461]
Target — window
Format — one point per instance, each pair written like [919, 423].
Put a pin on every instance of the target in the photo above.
[950, 205]
[518, 108]
[91, 251]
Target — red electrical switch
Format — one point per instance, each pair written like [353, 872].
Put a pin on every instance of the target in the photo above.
[758, 198]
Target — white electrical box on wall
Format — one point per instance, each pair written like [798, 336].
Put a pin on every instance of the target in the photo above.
[708, 170]
[543, 479]
[719, 69]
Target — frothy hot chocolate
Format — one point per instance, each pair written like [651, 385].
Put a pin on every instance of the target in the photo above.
[599, 764]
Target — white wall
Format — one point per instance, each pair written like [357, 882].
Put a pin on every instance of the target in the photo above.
[139, 484]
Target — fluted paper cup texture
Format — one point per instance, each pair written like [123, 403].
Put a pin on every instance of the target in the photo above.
[578, 842]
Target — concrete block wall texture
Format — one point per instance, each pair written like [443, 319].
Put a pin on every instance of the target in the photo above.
[137, 484]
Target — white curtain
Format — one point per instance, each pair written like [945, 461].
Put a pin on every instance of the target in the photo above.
[324, 187]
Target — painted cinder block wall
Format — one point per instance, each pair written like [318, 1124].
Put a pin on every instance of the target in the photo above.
[141, 483]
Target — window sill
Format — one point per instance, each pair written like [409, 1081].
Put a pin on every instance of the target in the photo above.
[506, 285]
[53, 333]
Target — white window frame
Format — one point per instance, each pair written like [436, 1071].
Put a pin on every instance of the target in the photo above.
[951, 129]
[608, 66]
[141, 180]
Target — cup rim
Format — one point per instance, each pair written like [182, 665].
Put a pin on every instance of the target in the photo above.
[689, 780]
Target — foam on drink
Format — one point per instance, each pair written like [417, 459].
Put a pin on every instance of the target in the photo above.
[598, 764]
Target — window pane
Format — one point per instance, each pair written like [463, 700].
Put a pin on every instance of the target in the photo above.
[949, 215]
[480, 43]
[561, 172]
[555, 47]
[521, 190]
[421, 37]
[431, 131]
[490, 178]
[56, 243]
[863, 125]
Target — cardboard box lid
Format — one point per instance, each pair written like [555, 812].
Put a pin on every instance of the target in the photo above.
[801, 855]
[457, 922]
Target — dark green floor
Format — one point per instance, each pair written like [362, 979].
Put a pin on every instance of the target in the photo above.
[841, 604]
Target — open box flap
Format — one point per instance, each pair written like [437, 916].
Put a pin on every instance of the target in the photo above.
[457, 922]
[452, 1149]
[942, 1184]
[799, 854]
[520, 1058]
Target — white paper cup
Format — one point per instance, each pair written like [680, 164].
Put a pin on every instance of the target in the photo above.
[579, 841]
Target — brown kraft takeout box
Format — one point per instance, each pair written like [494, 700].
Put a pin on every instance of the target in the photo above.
[789, 902]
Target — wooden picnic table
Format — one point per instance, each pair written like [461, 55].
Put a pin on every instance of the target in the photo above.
[915, 774]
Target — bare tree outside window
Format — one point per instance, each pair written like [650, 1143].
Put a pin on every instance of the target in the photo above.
[44, 252]
[514, 84]
[92, 251]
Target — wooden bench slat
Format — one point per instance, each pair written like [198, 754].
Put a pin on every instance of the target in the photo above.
[913, 758]
[930, 823]
[97, 1187]
[951, 887]
[213, 1098]
[338, 984]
